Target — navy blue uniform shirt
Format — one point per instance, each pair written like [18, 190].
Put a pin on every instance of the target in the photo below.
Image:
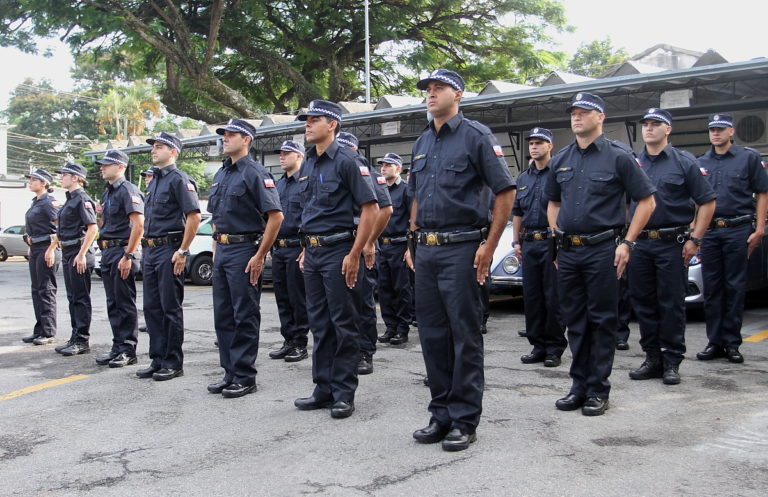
[679, 183]
[77, 213]
[332, 185]
[172, 195]
[530, 201]
[399, 222]
[734, 176]
[241, 195]
[40, 218]
[290, 201]
[454, 173]
[119, 200]
[592, 185]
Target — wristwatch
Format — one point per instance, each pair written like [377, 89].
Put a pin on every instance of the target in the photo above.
[184, 253]
[695, 240]
[629, 244]
[129, 256]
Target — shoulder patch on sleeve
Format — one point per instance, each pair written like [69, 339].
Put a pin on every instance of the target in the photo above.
[88, 205]
[190, 187]
[383, 181]
[269, 182]
[56, 203]
[637, 160]
[498, 150]
[135, 199]
[762, 163]
[364, 171]
[704, 171]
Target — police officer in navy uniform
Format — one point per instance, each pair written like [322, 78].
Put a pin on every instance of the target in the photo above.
[172, 216]
[333, 184]
[457, 166]
[76, 231]
[44, 255]
[122, 224]
[395, 292]
[147, 175]
[533, 247]
[366, 287]
[288, 282]
[738, 226]
[246, 218]
[587, 208]
[657, 271]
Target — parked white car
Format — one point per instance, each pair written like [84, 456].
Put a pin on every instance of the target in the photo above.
[12, 243]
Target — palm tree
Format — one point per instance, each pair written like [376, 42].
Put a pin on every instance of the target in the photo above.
[126, 107]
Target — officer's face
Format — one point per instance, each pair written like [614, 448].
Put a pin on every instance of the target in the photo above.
[390, 171]
[67, 180]
[539, 149]
[720, 136]
[233, 143]
[441, 98]
[162, 154]
[318, 129]
[655, 132]
[585, 122]
[289, 161]
[110, 172]
[35, 185]
[148, 179]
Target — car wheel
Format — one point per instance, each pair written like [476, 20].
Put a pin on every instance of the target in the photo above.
[3, 253]
[201, 272]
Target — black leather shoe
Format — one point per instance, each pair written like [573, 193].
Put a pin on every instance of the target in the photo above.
[398, 339]
[570, 402]
[143, 328]
[63, 346]
[622, 345]
[733, 355]
[387, 336]
[122, 359]
[29, 338]
[311, 403]
[533, 357]
[433, 433]
[147, 372]
[652, 367]
[458, 439]
[365, 366]
[167, 374]
[219, 386]
[710, 352]
[282, 351]
[42, 340]
[594, 406]
[237, 390]
[522, 333]
[552, 361]
[76, 348]
[671, 374]
[342, 409]
[296, 354]
[103, 360]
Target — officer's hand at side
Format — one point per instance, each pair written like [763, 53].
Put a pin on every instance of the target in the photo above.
[50, 258]
[179, 261]
[754, 241]
[369, 252]
[255, 266]
[79, 263]
[300, 260]
[349, 268]
[621, 259]
[482, 262]
[519, 252]
[689, 250]
[124, 266]
[409, 260]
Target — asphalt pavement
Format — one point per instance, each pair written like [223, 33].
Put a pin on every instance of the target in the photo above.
[71, 428]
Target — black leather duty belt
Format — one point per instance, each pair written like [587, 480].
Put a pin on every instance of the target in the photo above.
[393, 240]
[725, 222]
[70, 243]
[227, 238]
[31, 240]
[678, 234]
[535, 235]
[437, 238]
[169, 239]
[287, 242]
[326, 240]
[570, 240]
[115, 242]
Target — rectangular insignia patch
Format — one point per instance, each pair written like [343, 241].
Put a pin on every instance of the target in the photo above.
[762, 164]
[190, 187]
[381, 180]
[88, 205]
[303, 178]
[497, 149]
[420, 156]
[638, 162]
[135, 199]
[364, 171]
[704, 172]
[269, 182]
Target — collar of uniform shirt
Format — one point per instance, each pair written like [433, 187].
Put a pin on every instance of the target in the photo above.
[452, 123]
[74, 193]
[330, 151]
[663, 153]
[116, 184]
[229, 164]
[163, 171]
[535, 170]
[598, 143]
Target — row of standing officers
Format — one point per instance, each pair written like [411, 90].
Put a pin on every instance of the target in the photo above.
[322, 222]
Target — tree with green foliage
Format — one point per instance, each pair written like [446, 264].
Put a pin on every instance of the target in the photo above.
[219, 58]
[594, 58]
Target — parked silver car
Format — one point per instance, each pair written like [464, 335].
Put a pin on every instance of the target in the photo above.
[506, 269]
[12, 242]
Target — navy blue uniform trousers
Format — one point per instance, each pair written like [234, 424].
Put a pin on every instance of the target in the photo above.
[589, 293]
[724, 269]
[78, 293]
[395, 292]
[236, 312]
[366, 307]
[333, 319]
[542, 307]
[121, 302]
[163, 297]
[657, 284]
[290, 295]
[625, 308]
[449, 313]
[43, 289]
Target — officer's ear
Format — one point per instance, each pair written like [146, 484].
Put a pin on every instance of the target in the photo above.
[601, 117]
[458, 94]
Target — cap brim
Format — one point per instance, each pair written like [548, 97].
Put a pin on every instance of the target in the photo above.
[423, 83]
[538, 137]
[585, 107]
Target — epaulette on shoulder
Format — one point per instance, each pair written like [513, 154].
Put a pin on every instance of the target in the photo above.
[482, 128]
[752, 150]
[621, 145]
[686, 154]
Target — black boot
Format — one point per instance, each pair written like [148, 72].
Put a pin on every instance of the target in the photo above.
[651, 367]
[671, 374]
